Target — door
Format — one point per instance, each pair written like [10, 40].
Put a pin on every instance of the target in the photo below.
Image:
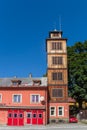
[10, 117]
[40, 117]
[21, 118]
[29, 117]
[15, 117]
[34, 117]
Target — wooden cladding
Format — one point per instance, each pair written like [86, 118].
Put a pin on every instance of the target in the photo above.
[57, 92]
[56, 46]
[57, 76]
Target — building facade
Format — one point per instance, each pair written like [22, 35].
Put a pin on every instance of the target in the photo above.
[23, 101]
[26, 101]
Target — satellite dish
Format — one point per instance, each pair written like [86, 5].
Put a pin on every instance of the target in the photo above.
[42, 98]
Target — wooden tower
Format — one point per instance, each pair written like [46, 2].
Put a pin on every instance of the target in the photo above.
[57, 67]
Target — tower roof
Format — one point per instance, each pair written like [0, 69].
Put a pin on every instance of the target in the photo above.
[56, 31]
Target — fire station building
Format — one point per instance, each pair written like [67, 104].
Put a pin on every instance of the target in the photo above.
[38, 101]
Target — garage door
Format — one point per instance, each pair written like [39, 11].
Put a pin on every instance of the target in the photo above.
[15, 117]
[34, 117]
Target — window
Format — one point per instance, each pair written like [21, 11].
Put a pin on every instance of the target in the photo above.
[57, 76]
[56, 34]
[57, 92]
[52, 111]
[40, 116]
[28, 115]
[20, 115]
[37, 82]
[34, 115]
[15, 115]
[0, 97]
[17, 98]
[60, 111]
[57, 60]
[9, 115]
[16, 82]
[35, 98]
[56, 45]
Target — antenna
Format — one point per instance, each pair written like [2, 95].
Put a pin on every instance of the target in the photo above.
[55, 27]
[60, 26]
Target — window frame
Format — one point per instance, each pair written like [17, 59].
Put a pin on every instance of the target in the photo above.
[54, 110]
[35, 98]
[56, 90]
[57, 60]
[56, 76]
[17, 99]
[56, 46]
[62, 110]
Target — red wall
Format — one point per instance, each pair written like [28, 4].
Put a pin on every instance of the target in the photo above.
[7, 99]
[66, 109]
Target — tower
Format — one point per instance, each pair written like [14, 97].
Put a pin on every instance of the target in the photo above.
[57, 73]
[57, 66]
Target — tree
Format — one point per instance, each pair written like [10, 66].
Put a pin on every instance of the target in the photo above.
[77, 71]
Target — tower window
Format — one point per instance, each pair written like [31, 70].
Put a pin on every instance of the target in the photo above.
[57, 60]
[57, 76]
[56, 34]
[56, 45]
[57, 92]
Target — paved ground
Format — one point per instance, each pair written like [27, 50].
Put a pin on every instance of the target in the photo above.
[48, 127]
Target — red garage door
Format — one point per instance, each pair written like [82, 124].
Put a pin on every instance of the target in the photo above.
[35, 117]
[40, 117]
[10, 117]
[21, 117]
[29, 117]
[15, 117]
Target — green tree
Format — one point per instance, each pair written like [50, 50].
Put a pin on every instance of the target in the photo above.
[77, 71]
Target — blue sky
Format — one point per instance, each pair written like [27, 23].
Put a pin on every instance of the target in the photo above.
[24, 26]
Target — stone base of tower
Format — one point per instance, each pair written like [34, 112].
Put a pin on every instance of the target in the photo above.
[58, 112]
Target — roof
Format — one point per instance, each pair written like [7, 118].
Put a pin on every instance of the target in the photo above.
[56, 31]
[70, 99]
[56, 39]
[29, 81]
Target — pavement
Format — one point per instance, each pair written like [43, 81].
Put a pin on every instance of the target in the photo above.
[68, 126]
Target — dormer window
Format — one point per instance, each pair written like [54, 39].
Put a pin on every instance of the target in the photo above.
[36, 82]
[16, 82]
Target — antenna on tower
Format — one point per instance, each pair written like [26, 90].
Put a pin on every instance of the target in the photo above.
[55, 27]
[60, 26]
